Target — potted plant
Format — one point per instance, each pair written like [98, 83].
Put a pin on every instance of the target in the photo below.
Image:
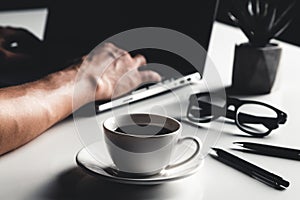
[256, 62]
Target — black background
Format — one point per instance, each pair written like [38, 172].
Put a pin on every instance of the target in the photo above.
[291, 34]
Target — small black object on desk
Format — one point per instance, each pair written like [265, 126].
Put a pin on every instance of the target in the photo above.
[250, 169]
[268, 150]
[253, 117]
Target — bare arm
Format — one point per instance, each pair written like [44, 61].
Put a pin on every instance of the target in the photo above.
[28, 110]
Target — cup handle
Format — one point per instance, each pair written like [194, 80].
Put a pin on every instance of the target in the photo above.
[180, 140]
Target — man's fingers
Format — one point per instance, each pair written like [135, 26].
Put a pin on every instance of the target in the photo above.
[140, 60]
[150, 76]
[113, 50]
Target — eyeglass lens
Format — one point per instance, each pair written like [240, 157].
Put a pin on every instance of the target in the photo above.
[254, 118]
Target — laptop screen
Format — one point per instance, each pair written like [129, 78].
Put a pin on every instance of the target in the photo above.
[75, 27]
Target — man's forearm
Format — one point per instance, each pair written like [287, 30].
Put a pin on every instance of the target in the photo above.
[28, 110]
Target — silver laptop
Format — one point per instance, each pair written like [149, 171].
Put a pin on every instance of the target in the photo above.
[194, 19]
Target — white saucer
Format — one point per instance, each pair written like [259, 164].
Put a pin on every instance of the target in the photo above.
[96, 160]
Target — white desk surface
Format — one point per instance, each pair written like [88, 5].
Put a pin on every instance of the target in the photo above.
[46, 169]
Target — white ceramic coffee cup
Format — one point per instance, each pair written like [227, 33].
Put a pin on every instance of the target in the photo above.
[140, 154]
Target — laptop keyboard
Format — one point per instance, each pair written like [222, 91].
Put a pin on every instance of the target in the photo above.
[149, 90]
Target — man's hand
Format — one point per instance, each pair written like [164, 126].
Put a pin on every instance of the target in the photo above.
[114, 72]
[21, 57]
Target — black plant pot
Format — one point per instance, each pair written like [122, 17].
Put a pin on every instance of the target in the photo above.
[255, 69]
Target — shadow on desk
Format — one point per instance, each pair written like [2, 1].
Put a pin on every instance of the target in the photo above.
[75, 184]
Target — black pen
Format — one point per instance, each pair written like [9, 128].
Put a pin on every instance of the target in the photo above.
[269, 150]
[250, 169]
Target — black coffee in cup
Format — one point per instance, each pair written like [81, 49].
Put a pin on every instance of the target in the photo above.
[138, 129]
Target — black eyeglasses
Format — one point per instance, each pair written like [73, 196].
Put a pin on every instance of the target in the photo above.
[253, 117]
